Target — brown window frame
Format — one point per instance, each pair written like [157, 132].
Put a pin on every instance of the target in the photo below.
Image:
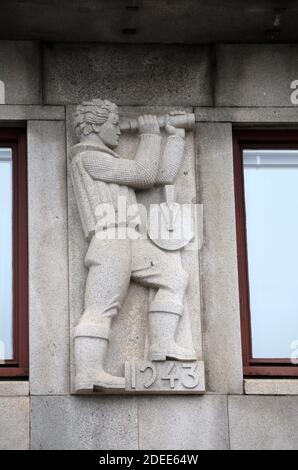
[15, 139]
[255, 139]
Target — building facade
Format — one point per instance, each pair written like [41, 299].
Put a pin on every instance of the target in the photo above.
[228, 87]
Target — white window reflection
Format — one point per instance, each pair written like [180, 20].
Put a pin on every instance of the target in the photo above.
[6, 302]
[271, 195]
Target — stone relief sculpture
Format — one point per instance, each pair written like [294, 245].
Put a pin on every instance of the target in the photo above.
[100, 178]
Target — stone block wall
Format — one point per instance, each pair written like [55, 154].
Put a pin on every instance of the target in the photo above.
[226, 86]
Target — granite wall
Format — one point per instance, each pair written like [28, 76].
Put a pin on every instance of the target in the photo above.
[226, 86]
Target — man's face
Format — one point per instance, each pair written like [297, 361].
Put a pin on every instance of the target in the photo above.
[110, 131]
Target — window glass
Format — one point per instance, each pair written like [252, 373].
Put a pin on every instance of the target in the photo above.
[271, 200]
[6, 303]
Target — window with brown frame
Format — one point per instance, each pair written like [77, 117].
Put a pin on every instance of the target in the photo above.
[13, 254]
[266, 194]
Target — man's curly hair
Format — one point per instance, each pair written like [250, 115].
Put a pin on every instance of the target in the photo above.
[90, 115]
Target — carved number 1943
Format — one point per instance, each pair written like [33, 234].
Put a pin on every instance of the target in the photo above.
[169, 375]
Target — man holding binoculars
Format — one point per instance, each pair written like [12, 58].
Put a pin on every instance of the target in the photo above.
[99, 177]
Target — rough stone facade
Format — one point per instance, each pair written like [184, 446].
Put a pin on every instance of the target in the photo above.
[226, 86]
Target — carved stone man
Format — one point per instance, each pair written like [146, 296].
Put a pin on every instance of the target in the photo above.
[99, 177]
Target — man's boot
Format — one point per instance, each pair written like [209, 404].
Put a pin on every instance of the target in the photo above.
[90, 353]
[162, 331]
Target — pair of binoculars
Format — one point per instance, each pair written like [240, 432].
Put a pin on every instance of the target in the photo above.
[181, 121]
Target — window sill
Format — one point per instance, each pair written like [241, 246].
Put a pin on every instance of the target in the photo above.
[271, 386]
[14, 388]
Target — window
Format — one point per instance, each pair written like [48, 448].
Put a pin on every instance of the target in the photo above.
[13, 254]
[266, 192]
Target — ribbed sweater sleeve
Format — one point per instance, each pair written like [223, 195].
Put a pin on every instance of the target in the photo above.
[138, 173]
[171, 160]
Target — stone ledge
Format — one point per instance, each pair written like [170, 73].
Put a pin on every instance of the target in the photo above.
[21, 72]
[248, 115]
[14, 389]
[254, 75]
[271, 386]
[128, 74]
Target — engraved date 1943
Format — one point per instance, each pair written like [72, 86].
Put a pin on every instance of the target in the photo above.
[163, 375]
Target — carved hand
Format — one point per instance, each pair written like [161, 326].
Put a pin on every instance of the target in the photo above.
[148, 124]
[172, 130]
